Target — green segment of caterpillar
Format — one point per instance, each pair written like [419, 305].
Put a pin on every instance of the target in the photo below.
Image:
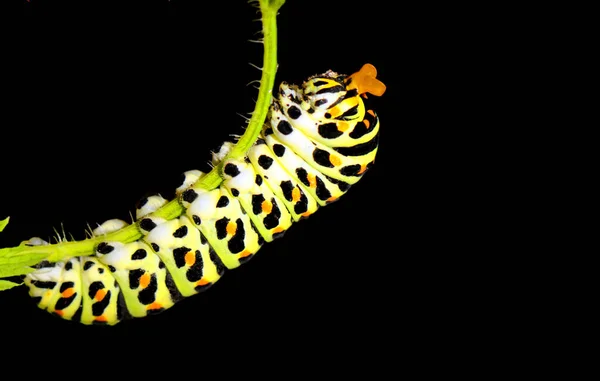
[318, 140]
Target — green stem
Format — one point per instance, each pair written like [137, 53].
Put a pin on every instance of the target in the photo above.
[269, 20]
[25, 255]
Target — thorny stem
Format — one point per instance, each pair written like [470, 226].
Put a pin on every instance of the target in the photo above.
[29, 255]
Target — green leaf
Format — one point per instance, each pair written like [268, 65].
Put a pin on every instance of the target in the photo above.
[3, 223]
[6, 284]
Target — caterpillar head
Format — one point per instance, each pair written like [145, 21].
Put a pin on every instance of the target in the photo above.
[321, 91]
[325, 90]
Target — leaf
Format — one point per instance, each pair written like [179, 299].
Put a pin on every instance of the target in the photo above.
[6, 284]
[3, 223]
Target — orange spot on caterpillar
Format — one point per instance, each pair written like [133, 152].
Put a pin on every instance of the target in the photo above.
[334, 112]
[154, 306]
[202, 282]
[245, 253]
[342, 126]
[190, 258]
[312, 180]
[231, 228]
[266, 206]
[371, 112]
[278, 229]
[365, 81]
[305, 214]
[331, 199]
[145, 280]
[367, 123]
[101, 319]
[336, 161]
[363, 168]
[59, 312]
[68, 292]
[100, 294]
[296, 194]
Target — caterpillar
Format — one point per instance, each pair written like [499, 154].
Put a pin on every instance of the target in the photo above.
[319, 139]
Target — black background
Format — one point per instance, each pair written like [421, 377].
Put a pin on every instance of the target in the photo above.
[109, 102]
[420, 267]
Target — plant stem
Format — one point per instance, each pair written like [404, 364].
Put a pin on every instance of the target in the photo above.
[173, 209]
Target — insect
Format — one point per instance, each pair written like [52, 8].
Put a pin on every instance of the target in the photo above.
[319, 139]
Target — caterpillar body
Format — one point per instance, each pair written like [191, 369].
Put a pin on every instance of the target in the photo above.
[319, 140]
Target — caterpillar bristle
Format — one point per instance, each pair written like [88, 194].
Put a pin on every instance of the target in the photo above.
[60, 235]
[246, 119]
[131, 217]
[255, 66]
